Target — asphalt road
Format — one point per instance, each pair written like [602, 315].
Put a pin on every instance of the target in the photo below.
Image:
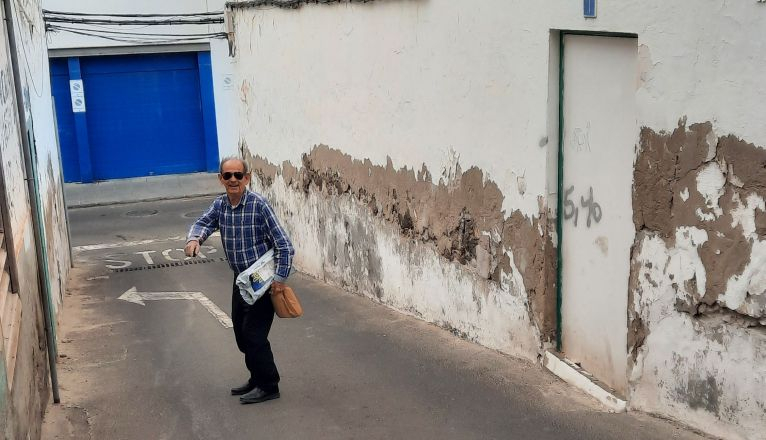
[351, 369]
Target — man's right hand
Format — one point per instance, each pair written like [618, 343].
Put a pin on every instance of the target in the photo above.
[192, 248]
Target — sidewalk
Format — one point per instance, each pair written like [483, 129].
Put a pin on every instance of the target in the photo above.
[138, 189]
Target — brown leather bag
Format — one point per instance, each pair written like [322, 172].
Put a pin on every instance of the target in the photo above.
[286, 305]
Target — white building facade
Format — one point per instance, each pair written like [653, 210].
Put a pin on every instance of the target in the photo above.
[532, 178]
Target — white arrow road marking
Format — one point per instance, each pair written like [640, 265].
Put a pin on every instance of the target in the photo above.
[136, 297]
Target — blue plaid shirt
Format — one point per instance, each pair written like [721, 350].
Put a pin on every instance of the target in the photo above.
[248, 231]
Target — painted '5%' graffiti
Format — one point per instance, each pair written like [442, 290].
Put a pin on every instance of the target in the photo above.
[572, 211]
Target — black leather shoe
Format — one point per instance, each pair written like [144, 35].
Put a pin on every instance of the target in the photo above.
[244, 389]
[257, 395]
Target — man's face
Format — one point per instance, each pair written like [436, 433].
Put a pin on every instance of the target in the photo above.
[233, 169]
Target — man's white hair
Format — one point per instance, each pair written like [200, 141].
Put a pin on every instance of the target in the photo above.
[228, 158]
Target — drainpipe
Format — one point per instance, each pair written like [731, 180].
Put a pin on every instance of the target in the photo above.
[43, 277]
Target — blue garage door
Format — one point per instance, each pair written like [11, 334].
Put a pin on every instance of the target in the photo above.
[144, 115]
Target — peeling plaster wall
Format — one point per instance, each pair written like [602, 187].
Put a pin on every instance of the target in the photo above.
[416, 92]
[34, 67]
[698, 319]
[10, 148]
[26, 394]
[343, 243]
[708, 370]
[27, 399]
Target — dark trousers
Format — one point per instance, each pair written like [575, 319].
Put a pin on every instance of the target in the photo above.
[251, 330]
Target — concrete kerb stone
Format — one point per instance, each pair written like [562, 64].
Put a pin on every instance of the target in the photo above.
[572, 374]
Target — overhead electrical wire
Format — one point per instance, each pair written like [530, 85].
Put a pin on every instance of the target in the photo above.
[120, 22]
[54, 27]
[285, 4]
[88, 14]
[140, 38]
[103, 25]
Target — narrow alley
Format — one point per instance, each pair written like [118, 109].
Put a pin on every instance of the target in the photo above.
[351, 369]
[504, 219]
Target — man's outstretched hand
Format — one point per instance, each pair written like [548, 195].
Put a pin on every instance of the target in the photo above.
[192, 248]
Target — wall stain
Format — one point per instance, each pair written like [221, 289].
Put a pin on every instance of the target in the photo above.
[701, 393]
[53, 210]
[637, 329]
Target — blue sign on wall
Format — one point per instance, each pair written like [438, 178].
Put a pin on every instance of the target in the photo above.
[589, 8]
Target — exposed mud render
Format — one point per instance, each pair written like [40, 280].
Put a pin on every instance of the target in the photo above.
[697, 315]
[460, 217]
[693, 179]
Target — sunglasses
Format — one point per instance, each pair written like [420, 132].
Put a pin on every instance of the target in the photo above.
[237, 175]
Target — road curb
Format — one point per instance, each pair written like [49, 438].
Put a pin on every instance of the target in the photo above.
[141, 189]
[574, 375]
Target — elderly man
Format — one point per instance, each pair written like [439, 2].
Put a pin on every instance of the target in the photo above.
[249, 228]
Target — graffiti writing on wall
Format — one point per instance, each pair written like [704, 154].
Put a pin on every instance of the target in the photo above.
[581, 139]
[593, 209]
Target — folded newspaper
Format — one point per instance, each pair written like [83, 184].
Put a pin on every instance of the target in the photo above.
[254, 281]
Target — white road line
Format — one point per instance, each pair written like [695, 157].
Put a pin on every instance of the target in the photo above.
[100, 246]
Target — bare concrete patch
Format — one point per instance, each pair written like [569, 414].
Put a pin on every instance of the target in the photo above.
[64, 422]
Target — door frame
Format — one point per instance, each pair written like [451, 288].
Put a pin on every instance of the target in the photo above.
[560, 170]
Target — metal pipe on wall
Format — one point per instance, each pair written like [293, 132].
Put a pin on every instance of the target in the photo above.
[34, 202]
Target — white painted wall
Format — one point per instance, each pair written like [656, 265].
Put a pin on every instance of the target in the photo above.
[370, 77]
[219, 52]
[422, 82]
[368, 80]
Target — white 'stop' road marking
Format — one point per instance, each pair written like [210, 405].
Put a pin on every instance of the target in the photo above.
[96, 247]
